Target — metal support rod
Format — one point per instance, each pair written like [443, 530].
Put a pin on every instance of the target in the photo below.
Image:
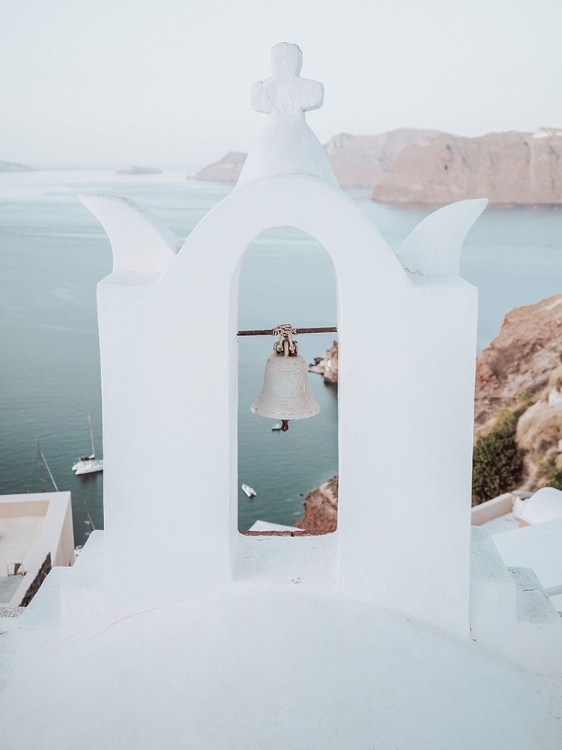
[269, 331]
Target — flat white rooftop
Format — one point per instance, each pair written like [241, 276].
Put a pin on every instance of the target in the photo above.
[32, 526]
[17, 536]
[508, 522]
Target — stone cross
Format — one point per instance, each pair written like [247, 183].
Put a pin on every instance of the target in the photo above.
[286, 92]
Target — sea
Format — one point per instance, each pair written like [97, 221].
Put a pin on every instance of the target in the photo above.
[53, 253]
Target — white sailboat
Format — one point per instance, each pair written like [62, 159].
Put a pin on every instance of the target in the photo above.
[88, 464]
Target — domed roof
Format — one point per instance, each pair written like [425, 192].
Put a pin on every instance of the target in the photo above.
[271, 670]
[545, 505]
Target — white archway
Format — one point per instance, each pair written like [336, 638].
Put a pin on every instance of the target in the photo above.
[286, 275]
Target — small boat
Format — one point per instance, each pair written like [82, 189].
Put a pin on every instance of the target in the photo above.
[88, 467]
[248, 491]
[277, 427]
[88, 464]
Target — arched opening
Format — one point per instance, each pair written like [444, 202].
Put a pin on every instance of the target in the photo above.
[286, 277]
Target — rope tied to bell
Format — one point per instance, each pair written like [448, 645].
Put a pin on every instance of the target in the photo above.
[286, 344]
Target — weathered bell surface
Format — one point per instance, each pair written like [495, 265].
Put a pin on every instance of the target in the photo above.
[285, 393]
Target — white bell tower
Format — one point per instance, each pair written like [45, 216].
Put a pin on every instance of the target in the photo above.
[173, 630]
[407, 331]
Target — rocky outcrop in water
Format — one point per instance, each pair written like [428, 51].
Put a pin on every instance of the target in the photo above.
[358, 160]
[321, 508]
[327, 366]
[510, 169]
[10, 166]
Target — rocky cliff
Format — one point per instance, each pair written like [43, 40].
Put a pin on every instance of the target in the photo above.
[9, 166]
[364, 160]
[539, 434]
[519, 360]
[507, 168]
[358, 160]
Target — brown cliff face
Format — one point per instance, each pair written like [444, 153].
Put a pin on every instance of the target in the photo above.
[539, 433]
[507, 168]
[364, 160]
[357, 160]
[321, 508]
[520, 359]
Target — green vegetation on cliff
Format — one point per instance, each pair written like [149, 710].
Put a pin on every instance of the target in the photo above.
[497, 463]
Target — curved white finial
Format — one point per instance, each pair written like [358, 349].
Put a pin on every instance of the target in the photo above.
[434, 247]
[287, 145]
[143, 246]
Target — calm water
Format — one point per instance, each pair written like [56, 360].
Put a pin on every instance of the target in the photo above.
[53, 253]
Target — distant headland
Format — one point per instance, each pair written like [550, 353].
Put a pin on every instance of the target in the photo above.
[358, 160]
[137, 170]
[428, 168]
[10, 166]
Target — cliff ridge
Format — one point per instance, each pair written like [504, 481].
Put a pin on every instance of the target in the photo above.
[510, 169]
[357, 160]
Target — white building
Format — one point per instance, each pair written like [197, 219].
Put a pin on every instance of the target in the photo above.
[35, 534]
[174, 630]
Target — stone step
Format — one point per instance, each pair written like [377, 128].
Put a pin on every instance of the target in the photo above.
[532, 603]
[510, 612]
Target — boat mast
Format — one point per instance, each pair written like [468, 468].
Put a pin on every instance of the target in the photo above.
[89, 517]
[93, 451]
[40, 462]
[44, 461]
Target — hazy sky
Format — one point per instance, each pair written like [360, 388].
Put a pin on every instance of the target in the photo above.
[166, 82]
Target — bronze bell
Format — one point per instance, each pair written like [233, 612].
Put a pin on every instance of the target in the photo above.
[285, 393]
